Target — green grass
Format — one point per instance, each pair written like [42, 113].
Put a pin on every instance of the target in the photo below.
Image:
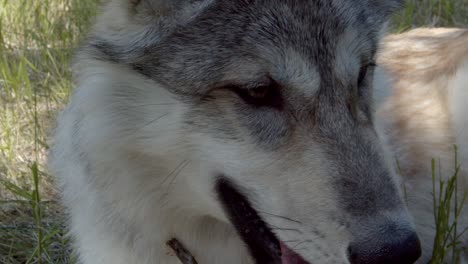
[448, 207]
[442, 13]
[36, 43]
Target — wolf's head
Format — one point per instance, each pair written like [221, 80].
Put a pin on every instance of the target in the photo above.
[272, 99]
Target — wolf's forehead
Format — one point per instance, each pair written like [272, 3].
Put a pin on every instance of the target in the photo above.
[287, 38]
[308, 26]
[294, 39]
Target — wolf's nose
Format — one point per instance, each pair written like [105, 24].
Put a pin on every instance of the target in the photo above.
[395, 248]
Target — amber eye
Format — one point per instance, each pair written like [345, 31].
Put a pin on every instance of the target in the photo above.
[258, 92]
[261, 96]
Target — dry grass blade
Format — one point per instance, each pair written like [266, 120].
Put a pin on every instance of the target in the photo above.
[182, 253]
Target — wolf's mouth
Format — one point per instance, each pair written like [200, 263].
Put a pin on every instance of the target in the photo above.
[263, 245]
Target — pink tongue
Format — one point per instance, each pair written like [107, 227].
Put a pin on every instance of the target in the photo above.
[290, 257]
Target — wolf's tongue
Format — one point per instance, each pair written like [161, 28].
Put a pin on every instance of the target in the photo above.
[290, 257]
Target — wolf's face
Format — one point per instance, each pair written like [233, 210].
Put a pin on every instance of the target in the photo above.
[277, 109]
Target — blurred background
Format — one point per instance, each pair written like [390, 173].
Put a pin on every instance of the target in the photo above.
[37, 39]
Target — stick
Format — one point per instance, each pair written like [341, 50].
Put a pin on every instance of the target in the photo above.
[182, 253]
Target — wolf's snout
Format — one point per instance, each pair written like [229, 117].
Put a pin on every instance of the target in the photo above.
[395, 247]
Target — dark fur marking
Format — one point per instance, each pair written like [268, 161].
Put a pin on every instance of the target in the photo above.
[104, 50]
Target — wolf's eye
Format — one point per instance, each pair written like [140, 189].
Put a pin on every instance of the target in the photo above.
[258, 93]
[363, 72]
[264, 95]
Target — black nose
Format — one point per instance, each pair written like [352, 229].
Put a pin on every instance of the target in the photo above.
[395, 248]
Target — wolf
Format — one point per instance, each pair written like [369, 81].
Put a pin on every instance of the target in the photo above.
[245, 129]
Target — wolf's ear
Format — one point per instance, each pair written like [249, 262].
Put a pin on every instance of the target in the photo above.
[125, 20]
